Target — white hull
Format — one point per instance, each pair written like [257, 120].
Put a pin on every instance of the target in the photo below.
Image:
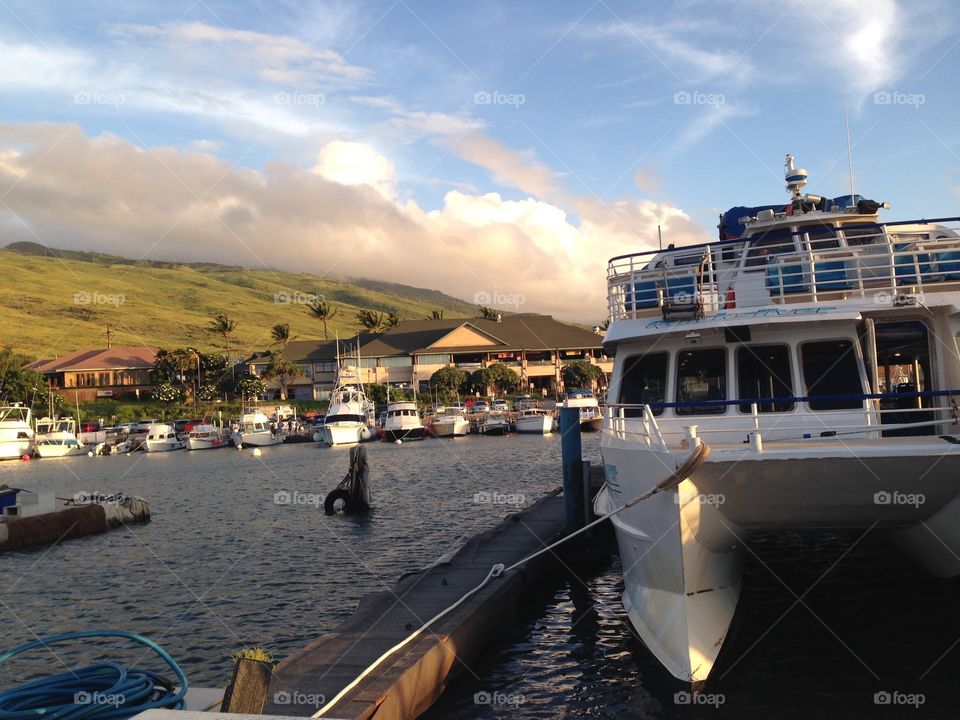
[10, 449]
[682, 549]
[451, 428]
[164, 445]
[535, 424]
[206, 443]
[343, 433]
[258, 439]
[59, 450]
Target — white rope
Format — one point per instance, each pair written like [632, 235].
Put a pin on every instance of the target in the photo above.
[696, 459]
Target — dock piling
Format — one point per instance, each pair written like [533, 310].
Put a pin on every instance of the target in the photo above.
[572, 455]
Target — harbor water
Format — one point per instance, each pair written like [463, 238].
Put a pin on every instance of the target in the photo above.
[240, 553]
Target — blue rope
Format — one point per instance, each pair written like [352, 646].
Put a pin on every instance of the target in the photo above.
[103, 691]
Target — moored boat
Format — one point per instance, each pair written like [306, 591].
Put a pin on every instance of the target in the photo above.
[402, 422]
[162, 437]
[57, 437]
[534, 421]
[495, 423]
[813, 348]
[255, 428]
[206, 437]
[450, 422]
[16, 431]
[586, 402]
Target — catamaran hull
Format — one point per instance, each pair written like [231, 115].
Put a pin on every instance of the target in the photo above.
[681, 550]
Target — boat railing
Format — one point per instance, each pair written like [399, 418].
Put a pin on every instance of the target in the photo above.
[900, 264]
[621, 419]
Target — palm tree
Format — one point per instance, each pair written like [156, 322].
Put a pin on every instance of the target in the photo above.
[284, 372]
[392, 320]
[488, 313]
[324, 312]
[280, 334]
[184, 361]
[223, 326]
[370, 320]
[436, 315]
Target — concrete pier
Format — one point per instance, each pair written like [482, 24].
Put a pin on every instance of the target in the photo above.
[409, 681]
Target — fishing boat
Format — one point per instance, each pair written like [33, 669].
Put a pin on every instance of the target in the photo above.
[57, 437]
[255, 428]
[495, 423]
[586, 402]
[117, 441]
[16, 431]
[402, 422]
[813, 350]
[450, 422]
[206, 437]
[349, 416]
[536, 421]
[162, 437]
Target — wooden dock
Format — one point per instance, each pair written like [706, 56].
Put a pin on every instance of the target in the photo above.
[408, 682]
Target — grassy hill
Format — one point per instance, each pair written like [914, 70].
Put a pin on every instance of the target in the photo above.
[55, 301]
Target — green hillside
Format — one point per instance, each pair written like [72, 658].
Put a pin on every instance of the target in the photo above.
[57, 301]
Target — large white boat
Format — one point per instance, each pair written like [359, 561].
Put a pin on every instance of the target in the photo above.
[350, 414]
[57, 437]
[16, 431]
[814, 350]
[450, 422]
[206, 437]
[584, 400]
[535, 421]
[163, 438]
[402, 422]
[255, 428]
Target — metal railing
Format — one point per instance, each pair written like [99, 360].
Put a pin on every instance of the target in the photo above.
[902, 259]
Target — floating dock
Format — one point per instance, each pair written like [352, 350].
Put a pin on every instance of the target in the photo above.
[409, 681]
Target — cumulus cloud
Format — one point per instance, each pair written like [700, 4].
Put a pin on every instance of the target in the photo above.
[73, 191]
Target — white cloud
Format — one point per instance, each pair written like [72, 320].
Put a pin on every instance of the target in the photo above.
[105, 194]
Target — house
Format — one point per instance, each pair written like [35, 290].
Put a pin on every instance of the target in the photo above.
[92, 373]
[535, 346]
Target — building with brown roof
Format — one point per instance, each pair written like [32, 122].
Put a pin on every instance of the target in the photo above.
[91, 373]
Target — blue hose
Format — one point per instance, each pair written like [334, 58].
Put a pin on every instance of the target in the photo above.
[103, 691]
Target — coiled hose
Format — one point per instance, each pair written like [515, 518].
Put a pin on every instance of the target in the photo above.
[101, 691]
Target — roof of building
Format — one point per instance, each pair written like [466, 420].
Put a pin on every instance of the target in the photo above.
[115, 358]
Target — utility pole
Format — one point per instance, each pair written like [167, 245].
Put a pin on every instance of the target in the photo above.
[109, 335]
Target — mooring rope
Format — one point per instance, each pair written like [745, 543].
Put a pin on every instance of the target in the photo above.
[689, 466]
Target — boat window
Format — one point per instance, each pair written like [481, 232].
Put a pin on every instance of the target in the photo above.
[822, 237]
[702, 375]
[863, 234]
[643, 382]
[831, 368]
[763, 372]
[774, 243]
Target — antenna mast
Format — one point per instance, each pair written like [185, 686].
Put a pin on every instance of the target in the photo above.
[846, 122]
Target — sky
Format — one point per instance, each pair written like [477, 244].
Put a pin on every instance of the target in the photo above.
[501, 152]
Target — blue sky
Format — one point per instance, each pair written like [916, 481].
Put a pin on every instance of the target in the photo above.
[504, 148]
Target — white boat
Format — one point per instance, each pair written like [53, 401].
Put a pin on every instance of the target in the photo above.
[163, 438]
[350, 414]
[117, 441]
[206, 437]
[534, 420]
[57, 437]
[16, 431]
[495, 423]
[450, 422]
[814, 350]
[255, 428]
[402, 422]
[584, 400]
